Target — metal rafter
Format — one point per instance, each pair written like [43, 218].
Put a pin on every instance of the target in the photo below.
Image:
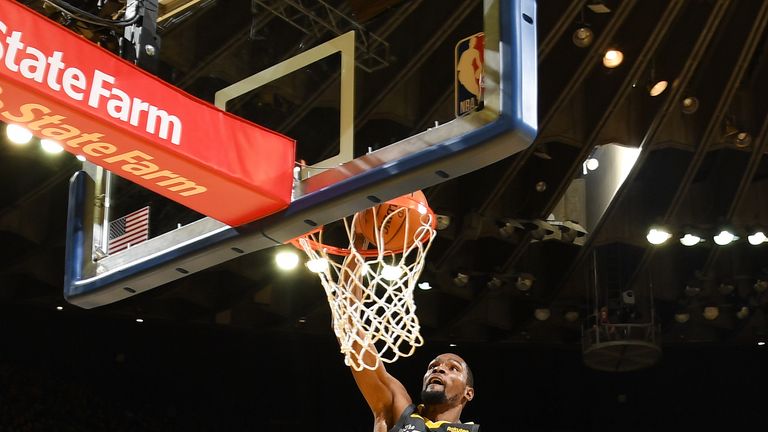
[318, 17]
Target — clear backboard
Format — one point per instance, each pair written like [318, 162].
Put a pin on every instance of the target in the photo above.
[334, 96]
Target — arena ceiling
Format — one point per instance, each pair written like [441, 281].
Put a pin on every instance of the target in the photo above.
[700, 165]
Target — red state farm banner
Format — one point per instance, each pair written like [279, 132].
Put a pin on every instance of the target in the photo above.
[65, 88]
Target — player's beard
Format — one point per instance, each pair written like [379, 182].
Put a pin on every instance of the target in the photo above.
[433, 397]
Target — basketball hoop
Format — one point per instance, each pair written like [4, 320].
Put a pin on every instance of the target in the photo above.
[370, 284]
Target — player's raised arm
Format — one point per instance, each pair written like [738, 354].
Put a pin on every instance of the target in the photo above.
[385, 395]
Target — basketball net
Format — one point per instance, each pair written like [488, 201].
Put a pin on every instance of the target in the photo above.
[370, 290]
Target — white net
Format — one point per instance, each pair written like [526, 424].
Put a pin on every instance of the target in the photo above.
[370, 291]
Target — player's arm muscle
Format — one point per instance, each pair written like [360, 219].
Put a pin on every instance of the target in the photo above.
[384, 394]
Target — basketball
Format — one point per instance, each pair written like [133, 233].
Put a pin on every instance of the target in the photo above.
[398, 221]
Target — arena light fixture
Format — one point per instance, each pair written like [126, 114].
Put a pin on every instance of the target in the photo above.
[757, 238]
[391, 272]
[51, 146]
[18, 134]
[461, 279]
[690, 105]
[524, 281]
[542, 314]
[658, 235]
[571, 316]
[658, 87]
[690, 239]
[760, 286]
[682, 317]
[318, 265]
[287, 259]
[711, 312]
[613, 58]
[583, 37]
[725, 237]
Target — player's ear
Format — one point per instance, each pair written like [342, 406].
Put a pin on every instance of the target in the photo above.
[469, 393]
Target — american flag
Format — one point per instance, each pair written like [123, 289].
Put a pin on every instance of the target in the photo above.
[129, 230]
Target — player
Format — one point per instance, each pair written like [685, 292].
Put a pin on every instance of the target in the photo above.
[448, 385]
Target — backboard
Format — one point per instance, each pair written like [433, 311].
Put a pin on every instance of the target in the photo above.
[371, 106]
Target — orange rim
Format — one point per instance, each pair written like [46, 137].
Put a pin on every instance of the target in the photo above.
[408, 201]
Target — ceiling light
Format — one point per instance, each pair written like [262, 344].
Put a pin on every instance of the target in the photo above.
[139, 320]
[541, 151]
[757, 238]
[51, 146]
[542, 314]
[690, 105]
[541, 230]
[682, 317]
[711, 312]
[692, 290]
[508, 228]
[443, 222]
[612, 58]
[390, 272]
[425, 286]
[572, 232]
[59, 307]
[658, 88]
[760, 285]
[18, 134]
[494, 282]
[524, 281]
[725, 237]
[598, 7]
[319, 265]
[461, 279]
[287, 260]
[658, 235]
[690, 239]
[571, 316]
[742, 313]
[726, 288]
[583, 37]
[592, 164]
[742, 139]
[761, 343]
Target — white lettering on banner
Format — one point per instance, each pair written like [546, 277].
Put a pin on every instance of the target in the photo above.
[102, 92]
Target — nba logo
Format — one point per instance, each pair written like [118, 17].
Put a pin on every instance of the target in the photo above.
[468, 83]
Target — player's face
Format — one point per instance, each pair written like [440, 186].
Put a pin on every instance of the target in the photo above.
[445, 380]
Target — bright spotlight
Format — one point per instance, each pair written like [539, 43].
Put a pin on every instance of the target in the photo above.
[18, 134]
[725, 237]
[391, 273]
[658, 88]
[51, 146]
[657, 236]
[690, 240]
[757, 238]
[613, 58]
[287, 260]
[319, 265]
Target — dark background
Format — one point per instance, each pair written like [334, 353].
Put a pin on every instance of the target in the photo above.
[243, 347]
[65, 372]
